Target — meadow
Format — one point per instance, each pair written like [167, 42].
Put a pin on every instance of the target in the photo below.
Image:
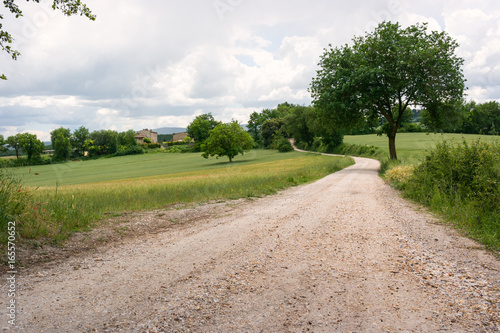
[133, 166]
[58, 200]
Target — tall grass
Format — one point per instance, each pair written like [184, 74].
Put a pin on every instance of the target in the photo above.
[460, 181]
[54, 213]
[13, 199]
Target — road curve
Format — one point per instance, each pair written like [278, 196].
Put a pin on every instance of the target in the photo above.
[344, 253]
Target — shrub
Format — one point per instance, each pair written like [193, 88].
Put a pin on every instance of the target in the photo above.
[284, 146]
[130, 150]
[151, 145]
[462, 182]
[147, 140]
[22, 161]
[359, 150]
[174, 149]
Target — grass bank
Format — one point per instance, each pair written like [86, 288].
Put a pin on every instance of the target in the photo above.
[53, 213]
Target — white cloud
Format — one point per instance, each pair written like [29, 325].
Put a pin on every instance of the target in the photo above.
[40, 102]
[477, 29]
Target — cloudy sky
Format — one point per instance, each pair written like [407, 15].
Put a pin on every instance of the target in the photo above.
[153, 63]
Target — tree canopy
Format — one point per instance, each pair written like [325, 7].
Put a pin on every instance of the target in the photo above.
[200, 127]
[385, 72]
[61, 143]
[227, 139]
[2, 144]
[30, 144]
[67, 7]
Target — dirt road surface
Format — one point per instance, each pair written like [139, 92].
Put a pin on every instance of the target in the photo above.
[345, 254]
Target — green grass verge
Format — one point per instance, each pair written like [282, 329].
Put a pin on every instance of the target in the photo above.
[55, 212]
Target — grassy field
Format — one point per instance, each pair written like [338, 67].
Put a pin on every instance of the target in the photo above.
[412, 147]
[126, 167]
[86, 191]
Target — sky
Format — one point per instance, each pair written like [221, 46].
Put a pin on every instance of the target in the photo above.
[152, 63]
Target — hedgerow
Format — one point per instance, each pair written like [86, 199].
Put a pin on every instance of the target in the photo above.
[461, 181]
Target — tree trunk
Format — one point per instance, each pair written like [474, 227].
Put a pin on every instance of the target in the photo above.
[392, 144]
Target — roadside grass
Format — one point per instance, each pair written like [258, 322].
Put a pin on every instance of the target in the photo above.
[53, 213]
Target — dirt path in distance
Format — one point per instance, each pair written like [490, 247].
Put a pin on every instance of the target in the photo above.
[344, 253]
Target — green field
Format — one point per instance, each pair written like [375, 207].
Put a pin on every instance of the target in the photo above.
[135, 166]
[412, 147]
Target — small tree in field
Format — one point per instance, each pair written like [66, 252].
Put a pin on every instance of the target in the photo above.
[229, 140]
[385, 72]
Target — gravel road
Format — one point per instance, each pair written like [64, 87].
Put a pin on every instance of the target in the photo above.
[344, 253]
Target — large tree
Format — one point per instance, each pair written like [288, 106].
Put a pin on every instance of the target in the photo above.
[14, 142]
[270, 128]
[61, 143]
[299, 123]
[229, 139]
[105, 142]
[2, 144]
[200, 127]
[31, 145]
[79, 138]
[68, 7]
[385, 72]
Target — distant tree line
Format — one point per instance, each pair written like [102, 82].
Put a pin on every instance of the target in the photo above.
[83, 143]
[66, 144]
[468, 118]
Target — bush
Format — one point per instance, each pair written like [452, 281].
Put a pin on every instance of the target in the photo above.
[176, 143]
[151, 145]
[462, 182]
[359, 150]
[284, 146]
[22, 161]
[130, 150]
[411, 128]
[174, 150]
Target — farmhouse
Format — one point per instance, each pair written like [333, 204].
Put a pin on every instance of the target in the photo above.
[146, 133]
[179, 136]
